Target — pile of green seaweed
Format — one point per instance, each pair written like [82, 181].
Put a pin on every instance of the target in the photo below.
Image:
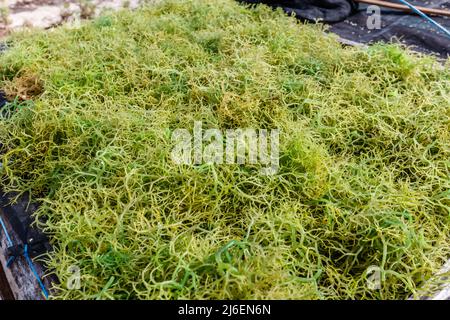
[363, 180]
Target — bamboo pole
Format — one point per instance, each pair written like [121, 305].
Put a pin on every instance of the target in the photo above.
[430, 11]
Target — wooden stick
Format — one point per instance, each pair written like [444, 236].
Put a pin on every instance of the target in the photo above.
[430, 11]
[5, 290]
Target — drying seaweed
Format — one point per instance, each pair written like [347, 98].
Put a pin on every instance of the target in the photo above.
[364, 156]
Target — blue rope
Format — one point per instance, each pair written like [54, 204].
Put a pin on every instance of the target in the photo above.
[8, 238]
[27, 257]
[9, 262]
[423, 15]
[33, 269]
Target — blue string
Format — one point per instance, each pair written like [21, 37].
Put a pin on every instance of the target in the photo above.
[8, 238]
[33, 269]
[27, 257]
[9, 262]
[423, 15]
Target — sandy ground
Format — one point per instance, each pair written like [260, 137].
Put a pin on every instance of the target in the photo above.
[44, 14]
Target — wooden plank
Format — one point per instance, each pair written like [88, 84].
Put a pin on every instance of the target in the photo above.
[438, 287]
[444, 275]
[23, 284]
[5, 290]
[21, 280]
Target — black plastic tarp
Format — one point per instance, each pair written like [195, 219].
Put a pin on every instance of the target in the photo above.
[350, 21]
[325, 10]
[398, 26]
